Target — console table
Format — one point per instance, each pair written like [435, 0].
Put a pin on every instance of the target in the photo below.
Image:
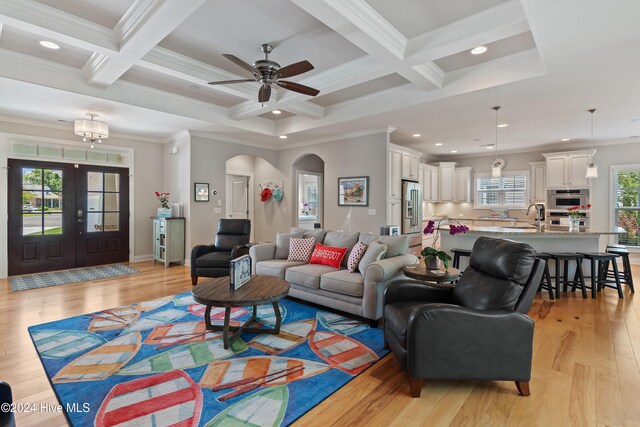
[168, 240]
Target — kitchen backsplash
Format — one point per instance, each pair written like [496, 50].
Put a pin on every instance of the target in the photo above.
[466, 210]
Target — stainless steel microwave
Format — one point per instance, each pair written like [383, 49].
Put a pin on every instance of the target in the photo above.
[563, 199]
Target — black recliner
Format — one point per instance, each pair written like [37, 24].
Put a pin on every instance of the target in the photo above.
[230, 242]
[478, 330]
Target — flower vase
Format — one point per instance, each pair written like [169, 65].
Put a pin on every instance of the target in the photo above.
[432, 263]
[574, 223]
[164, 213]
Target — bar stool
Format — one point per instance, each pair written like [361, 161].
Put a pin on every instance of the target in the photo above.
[457, 253]
[562, 260]
[626, 275]
[599, 266]
[545, 281]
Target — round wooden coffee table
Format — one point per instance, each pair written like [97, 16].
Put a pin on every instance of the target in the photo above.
[258, 290]
[440, 277]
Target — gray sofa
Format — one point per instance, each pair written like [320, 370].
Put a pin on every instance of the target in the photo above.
[356, 293]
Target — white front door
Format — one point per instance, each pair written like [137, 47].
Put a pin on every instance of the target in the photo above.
[237, 196]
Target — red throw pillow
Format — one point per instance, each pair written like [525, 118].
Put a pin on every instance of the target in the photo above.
[327, 255]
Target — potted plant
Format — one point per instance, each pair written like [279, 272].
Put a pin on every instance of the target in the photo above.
[575, 214]
[164, 211]
[432, 256]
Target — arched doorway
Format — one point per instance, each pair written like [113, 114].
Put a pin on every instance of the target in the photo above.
[309, 182]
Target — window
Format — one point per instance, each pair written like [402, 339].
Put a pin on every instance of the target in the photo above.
[627, 206]
[508, 191]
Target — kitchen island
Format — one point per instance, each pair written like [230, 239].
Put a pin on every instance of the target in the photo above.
[547, 239]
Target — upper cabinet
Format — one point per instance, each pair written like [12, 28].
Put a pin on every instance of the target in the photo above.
[537, 190]
[462, 183]
[395, 173]
[447, 181]
[430, 182]
[568, 169]
[410, 166]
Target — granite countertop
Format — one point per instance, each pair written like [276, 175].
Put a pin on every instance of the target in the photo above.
[554, 230]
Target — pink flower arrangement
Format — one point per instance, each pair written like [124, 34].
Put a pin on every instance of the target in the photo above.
[164, 199]
[574, 211]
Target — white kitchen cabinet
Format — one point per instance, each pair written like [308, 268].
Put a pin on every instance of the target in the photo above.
[537, 190]
[394, 212]
[410, 166]
[395, 173]
[447, 181]
[568, 169]
[462, 183]
[168, 240]
[429, 182]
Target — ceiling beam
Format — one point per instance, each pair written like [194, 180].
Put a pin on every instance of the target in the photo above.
[25, 68]
[359, 23]
[512, 68]
[142, 27]
[53, 24]
[502, 21]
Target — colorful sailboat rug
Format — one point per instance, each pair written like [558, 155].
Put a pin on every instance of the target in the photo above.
[155, 364]
[54, 278]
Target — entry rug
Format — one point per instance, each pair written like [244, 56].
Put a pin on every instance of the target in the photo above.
[154, 364]
[54, 278]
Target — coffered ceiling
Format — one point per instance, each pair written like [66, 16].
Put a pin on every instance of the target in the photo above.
[143, 66]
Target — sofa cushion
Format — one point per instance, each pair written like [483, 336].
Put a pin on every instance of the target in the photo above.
[300, 249]
[218, 259]
[343, 282]
[327, 255]
[282, 243]
[356, 255]
[275, 267]
[307, 275]
[375, 252]
[396, 245]
[316, 233]
[342, 239]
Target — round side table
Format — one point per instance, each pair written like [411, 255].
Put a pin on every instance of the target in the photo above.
[441, 277]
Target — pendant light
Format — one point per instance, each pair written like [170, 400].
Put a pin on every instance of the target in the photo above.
[91, 129]
[496, 170]
[592, 169]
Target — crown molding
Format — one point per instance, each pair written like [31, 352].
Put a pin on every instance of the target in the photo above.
[365, 18]
[174, 137]
[134, 18]
[431, 72]
[499, 22]
[46, 21]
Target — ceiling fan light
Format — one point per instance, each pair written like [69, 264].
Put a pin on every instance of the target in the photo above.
[592, 170]
[496, 172]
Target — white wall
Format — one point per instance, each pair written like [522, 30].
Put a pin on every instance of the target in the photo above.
[148, 169]
[176, 178]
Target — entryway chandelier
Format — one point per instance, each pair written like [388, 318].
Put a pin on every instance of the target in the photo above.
[91, 130]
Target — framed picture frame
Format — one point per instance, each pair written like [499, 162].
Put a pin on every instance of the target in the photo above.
[201, 191]
[353, 191]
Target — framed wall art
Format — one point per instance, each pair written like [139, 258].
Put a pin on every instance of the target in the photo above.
[353, 191]
[201, 191]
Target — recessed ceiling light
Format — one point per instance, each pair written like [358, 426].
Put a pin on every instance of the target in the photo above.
[565, 139]
[503, 125]
[438, 144]
[490, 147]
[454, 151]
[283, 137]
[416, 135]
[48, 44]
[276, 112]
[478, 50]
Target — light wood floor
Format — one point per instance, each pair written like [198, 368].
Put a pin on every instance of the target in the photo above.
[586, 364]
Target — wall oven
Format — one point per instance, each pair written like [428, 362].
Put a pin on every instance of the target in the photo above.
[563, 199]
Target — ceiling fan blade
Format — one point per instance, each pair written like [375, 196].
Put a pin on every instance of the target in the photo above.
[239, 62]
[297, 87]
[224, 82]
[265, 93]
[295, 69]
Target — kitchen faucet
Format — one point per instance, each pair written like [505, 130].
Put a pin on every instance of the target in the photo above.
[538, 207]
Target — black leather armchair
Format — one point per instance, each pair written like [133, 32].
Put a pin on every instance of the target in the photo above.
[230, 242]
[478, 330]
[6, 417]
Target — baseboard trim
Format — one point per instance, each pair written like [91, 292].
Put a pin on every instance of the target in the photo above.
[141, 258]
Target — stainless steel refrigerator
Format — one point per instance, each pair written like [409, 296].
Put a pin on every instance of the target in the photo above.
[411, 207]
